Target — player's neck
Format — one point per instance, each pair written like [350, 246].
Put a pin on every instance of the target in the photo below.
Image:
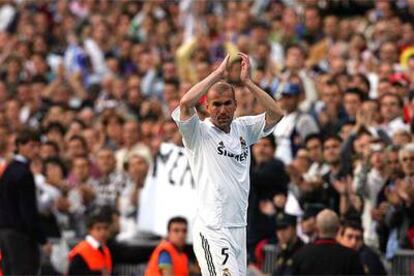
[225, 129]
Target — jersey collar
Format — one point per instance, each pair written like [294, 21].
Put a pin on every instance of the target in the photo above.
[209, 123]
[21, 158]
[92, 241]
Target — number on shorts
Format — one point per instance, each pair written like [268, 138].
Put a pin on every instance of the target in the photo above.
[226, 255]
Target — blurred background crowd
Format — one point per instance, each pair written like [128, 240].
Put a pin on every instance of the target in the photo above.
[98, 80]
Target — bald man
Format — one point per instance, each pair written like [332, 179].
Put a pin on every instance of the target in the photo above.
[218, 149]
[325, 256]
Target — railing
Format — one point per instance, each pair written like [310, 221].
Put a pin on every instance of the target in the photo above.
[124, 269]
[130, 269]
[401, 264]
[270, 252]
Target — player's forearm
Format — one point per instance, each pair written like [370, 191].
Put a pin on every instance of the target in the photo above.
[191, 98]
[273, 112]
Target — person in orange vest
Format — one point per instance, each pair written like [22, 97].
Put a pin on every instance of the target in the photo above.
[169, 257]
[91, 256]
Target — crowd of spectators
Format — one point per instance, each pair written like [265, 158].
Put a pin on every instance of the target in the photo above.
[98, 80]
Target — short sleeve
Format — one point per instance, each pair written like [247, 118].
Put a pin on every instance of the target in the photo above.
[255, 127]
[164, 260]
[190, 129]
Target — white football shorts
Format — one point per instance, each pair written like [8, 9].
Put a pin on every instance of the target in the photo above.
[220, 252]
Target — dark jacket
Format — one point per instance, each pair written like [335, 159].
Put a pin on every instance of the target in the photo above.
[371, 261]
[284, 259]
[123, 253]
[401, 217]
[78, 266]
[326, 257]
[18, 205]
[267, 180]
[325, 195]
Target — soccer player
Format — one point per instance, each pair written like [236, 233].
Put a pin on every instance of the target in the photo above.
[218, 149]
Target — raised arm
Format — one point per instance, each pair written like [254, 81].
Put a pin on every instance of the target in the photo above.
[191, 98]
[273, 112]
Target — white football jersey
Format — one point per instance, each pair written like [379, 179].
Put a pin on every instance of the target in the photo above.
[220, 165]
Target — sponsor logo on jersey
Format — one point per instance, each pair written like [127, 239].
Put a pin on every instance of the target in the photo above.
[221, 150]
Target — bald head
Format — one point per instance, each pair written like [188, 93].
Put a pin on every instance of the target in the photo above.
[221, 88]
[327, 223]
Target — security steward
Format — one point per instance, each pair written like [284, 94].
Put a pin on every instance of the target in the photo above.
[288, 243]
[325, 256]
[91, 256]
[169, 257]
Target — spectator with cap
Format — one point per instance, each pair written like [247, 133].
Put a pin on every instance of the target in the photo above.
[288, 243]
[325, 255]
[351, 235]
[292, 130]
